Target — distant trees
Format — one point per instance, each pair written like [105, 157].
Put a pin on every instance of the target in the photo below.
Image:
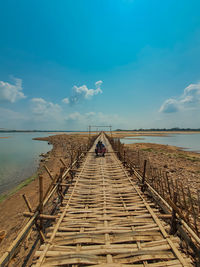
[174, 129]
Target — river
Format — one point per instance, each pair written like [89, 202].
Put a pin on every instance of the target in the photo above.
[19, 157]
[187, 142]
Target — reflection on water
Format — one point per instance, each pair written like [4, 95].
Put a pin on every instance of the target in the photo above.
[19, 157]
[189, 142]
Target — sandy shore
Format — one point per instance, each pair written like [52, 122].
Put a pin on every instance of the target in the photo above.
[12, 208]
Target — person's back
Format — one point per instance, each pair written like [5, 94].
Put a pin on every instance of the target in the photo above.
[100, 148]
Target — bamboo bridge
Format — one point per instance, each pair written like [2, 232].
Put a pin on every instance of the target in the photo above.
[107, 221]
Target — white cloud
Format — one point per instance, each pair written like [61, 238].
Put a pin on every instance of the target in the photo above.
[11, 92]
[98, 83]
[82, 92]
[190, 99]
[74, 116]
[66, 100]
[169, 106]
[12, 119]
[78, 120]
[44, 109]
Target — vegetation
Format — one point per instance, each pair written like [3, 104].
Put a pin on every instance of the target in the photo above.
[17, 188]
[175, 129]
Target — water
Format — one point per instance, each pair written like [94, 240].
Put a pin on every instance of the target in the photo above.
[188, 142]
[19, 157]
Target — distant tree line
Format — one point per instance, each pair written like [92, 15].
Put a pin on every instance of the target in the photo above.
[161, 129]
[33, 131]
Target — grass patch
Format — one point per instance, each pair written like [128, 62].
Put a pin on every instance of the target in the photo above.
[147, 149]
[18, 187]
[183, 156]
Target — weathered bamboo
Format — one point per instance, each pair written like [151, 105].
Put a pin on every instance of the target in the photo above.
[173, 229]
[48, 171]
[193, 211]
[27, 203]
[62, 161]
[143, 176]
[167, 179]
[41, 200]
[42, 216]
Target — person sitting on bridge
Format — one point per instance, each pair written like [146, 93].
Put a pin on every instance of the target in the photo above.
[100, 148]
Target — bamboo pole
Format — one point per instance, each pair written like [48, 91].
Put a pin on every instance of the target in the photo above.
[167, 179]
[27, 203]
[143, 176]
[43, 216]
[48, 171]
[193, 211]
[62, 161]
[173, 229]
[41, 195]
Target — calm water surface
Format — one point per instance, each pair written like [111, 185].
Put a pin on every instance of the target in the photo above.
[189, 142]
[19, 157]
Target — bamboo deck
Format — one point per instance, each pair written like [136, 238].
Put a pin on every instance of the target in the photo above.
[107, 222]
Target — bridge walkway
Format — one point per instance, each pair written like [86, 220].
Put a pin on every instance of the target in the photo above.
[106, 221]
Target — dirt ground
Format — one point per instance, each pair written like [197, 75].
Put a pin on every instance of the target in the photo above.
[11, 209]
[179, 164]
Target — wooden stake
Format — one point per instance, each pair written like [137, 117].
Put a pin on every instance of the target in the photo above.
[48, 171]
[62, 161]
[27, 203]
[143, 177]
[41, 200]
[173, 229]
[167, 179]
[124, 163]
[193, 211]
[198, 194]
[184, 199]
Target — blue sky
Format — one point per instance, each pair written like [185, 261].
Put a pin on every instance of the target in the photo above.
[128, 63]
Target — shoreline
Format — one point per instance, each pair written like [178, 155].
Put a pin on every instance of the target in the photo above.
[124, 134]
[126, 139]
[8, 193]
[12, 204]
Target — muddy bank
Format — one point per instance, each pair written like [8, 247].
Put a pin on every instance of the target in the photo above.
[12, 208]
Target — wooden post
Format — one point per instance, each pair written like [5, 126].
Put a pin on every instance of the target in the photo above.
[41, 194]
[124, 163]
[27, 203]
[193, 211]
[184, 199]
[198, 193]
[77, 160]
[62, 161]
[71, 159]
[168, 185]
[173, 229]
[143, 176]
[138, 154]
[48, 171]
[144, 171]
